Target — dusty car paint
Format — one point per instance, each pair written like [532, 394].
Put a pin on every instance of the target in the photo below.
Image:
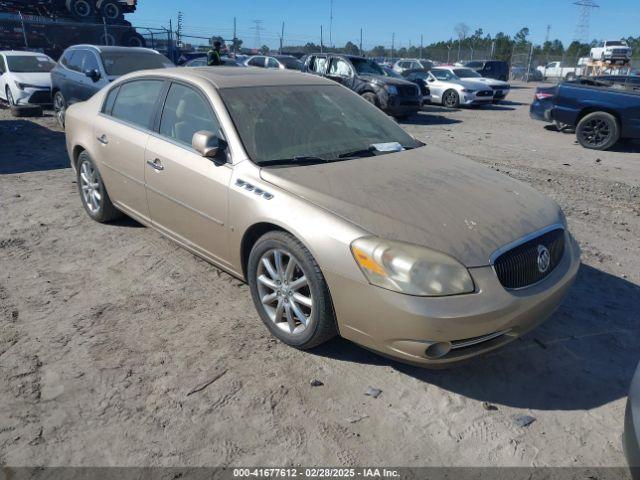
[426, 196]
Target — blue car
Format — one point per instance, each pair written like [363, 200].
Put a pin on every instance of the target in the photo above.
[84, 69]
[601, 112]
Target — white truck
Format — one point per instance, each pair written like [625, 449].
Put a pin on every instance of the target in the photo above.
[613, 50]
[561, 70]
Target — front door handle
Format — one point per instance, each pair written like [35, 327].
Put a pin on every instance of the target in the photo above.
[156, 164]
[103, 139]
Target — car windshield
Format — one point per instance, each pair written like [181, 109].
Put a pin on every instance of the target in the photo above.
[364, 66]
[29, 63]
[466, 73]
[616, 43]
[121, 63]
[324, 122]
[290, 63]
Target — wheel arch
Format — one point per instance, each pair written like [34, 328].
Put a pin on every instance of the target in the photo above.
[75, 154]
[251, 236]
[594, 109]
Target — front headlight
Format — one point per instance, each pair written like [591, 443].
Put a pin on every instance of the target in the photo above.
[23, 86]
[410, 269]
[392, 90]
[468, 91]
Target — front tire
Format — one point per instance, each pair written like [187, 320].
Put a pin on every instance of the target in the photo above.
[371, 98]
[290, 292]
[598, 131]
[60, 108]
[10, 100]
[93, 193]
[451, 99]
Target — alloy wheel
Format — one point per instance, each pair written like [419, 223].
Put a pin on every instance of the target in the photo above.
[284, 291]
[59, 108]
[10, 99]
[90, 185]
[596, 132]
[450, 99]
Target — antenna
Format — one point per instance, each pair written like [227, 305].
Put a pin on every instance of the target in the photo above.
[584, 19]
[257, 28]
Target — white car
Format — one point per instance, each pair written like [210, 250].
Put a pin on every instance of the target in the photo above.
[612, 50]
[477, 89]
[451, 91]
[25, 78]
[282, 62]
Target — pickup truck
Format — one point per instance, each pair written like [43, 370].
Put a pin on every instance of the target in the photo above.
[561, 70]
[601, 112]
[614, 50]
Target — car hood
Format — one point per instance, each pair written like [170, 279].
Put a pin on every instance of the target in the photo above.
[475, 84]
[492, 82]
[425, 196]
[40, 79]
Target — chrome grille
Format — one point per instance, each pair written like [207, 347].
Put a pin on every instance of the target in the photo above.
[519, 267]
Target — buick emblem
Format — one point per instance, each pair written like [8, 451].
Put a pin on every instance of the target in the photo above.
[544, 258]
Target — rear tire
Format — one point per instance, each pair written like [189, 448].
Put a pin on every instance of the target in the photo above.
[280, 299]
[451, 99]
[93, 192]
[598, 131]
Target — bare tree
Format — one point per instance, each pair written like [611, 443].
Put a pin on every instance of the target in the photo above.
[462, 32]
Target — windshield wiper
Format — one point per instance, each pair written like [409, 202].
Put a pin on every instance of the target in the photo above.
[363, 152]
[297, 160]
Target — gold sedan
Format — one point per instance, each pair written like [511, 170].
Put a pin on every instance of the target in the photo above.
[340, 221]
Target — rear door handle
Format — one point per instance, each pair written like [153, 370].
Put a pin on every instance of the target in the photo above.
[156, 164]
[103, 139]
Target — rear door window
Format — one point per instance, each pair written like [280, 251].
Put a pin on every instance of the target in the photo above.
[339, 68]
[136, 102]
[256, 62]
[319, 64]
[90, 62]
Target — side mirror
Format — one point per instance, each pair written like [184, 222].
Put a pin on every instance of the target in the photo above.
[430, 80]
[209, 145]
[93, 74]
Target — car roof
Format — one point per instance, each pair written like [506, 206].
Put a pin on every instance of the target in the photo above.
[14, 53]
[112, 49]
[233, 77]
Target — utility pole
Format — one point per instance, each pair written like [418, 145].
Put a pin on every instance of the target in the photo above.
[321, 45]
[361, 53]
[546, 38]
[179, 29]
[393, 43]
[331, 23]
[421, 46]
[235, 38]
[281, 38]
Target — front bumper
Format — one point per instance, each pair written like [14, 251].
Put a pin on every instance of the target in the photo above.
[472, 99]
[501, 94]
[33, 96]
[399, 106]
[404, 326]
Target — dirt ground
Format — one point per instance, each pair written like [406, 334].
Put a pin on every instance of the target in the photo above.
[105, 331]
